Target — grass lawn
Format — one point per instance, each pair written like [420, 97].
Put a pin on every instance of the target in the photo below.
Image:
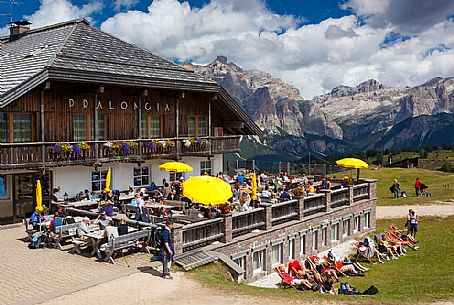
[406, 177]
[422, 276]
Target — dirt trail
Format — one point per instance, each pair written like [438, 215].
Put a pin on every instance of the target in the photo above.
[441, 210]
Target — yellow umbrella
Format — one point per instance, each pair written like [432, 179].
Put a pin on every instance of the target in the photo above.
[352, 163]
[254, 186]
[207, 190]
[39, 196]
[177, 167]
[108, 178]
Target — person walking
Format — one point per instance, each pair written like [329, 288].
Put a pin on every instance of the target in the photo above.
[167, 249]
[418, 184]
[412, 220]
[396, 188]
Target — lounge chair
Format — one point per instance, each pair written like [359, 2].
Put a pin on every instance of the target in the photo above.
[284, 282]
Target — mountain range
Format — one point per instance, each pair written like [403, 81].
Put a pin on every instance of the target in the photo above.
[370, 115]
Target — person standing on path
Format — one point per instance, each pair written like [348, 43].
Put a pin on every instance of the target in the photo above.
[418, 186]
[412, 220]
[167, 249]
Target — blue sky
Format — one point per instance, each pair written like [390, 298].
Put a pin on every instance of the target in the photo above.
[310, 11]
[314, 45]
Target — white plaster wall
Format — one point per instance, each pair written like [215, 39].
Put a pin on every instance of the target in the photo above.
[73, 179]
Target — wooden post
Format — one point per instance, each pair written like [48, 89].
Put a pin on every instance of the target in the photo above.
[209, 126]
[41, 121]
[227, 228]
[95, 129]
[177, 125]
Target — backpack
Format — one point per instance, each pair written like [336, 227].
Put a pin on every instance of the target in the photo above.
[35, 242]
[157, 238]
[371, 290]
[366, 242]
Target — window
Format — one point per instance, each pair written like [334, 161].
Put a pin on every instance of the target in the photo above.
[325, 236]
[80, 127]
[258, 261]
[367, 220]
[98, 180]
[346, 227]
[291, 249]
[276, 254]
[3, 186]
[335, 231]
[22, 127]
[241, 261]
[150, 127]
[141, 176]
[205, 166]
[303, 244]
[315, 240]
[357, 224]
[16, 127]
[4, 128]
[102, 130]
[197, 126]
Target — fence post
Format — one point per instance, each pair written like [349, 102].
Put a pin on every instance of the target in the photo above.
[300, 208]
[327, 194]
[351, 194]
[227, 228]
[178, 239]
[268, 215]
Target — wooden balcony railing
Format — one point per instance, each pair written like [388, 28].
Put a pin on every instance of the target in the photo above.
[247, 221]
[314, 204]
[340, 198]
[284, 211]
[201, 233]
[39, 154]
[360, 191]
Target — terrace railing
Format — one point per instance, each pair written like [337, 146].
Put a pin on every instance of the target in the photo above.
[360, 192]
[284, 211]
[244, 222]
[314, 204]
[340, 198]
[201, 233]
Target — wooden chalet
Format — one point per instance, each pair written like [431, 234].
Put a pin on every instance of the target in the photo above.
[75, 100]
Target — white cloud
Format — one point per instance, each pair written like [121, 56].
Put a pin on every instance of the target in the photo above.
[53, 11]
[124, 4]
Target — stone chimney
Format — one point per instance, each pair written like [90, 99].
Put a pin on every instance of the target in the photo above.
[18, 28]
[222, 59]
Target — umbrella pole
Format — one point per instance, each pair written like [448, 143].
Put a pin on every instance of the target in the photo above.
[357, 175]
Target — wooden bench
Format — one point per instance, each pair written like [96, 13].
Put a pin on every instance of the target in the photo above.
[78, 244]
[62, 233]
[29, 229]
[126, 241]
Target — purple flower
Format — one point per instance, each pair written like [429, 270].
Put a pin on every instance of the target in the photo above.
[199, 141]
[77, 150]
[124, 148]
[151, 145]
[57, 148]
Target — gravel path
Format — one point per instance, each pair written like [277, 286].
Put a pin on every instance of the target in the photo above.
[441, 210]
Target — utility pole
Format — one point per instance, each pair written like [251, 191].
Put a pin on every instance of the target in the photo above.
[10, 13]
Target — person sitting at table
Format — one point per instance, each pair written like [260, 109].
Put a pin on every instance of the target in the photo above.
[285, 195]
[122, 227]
[36, 219]
[134, 200]
[103, 220]
[61, 211]
[109, 196]
[80, 196]
[131, 191]
[245, 200]
[266, 193]
[56, 222]
[87, 195]
[109, 208]
[167, 189]
[83, 227]
[173, 195]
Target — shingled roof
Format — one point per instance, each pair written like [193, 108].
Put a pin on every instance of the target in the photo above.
[76, 51]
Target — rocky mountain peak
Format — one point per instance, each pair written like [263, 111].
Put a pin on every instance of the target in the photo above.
[369, 85]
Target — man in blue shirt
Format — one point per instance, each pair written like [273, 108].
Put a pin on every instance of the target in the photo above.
[167, 249]
[36, 219]
[240, 178]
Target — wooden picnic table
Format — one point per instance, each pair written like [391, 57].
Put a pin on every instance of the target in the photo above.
[95, 239]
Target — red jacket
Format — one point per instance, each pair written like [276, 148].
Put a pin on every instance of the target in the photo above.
[418, 184]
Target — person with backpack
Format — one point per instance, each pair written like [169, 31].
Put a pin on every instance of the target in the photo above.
[413, 220]
[167, 249]
[395, 188]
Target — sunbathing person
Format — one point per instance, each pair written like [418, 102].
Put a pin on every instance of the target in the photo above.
[315, 264]
[368, 252]
[345, 265]
[385, 249]
[299, 283]
[299, 271]
[328, 286]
